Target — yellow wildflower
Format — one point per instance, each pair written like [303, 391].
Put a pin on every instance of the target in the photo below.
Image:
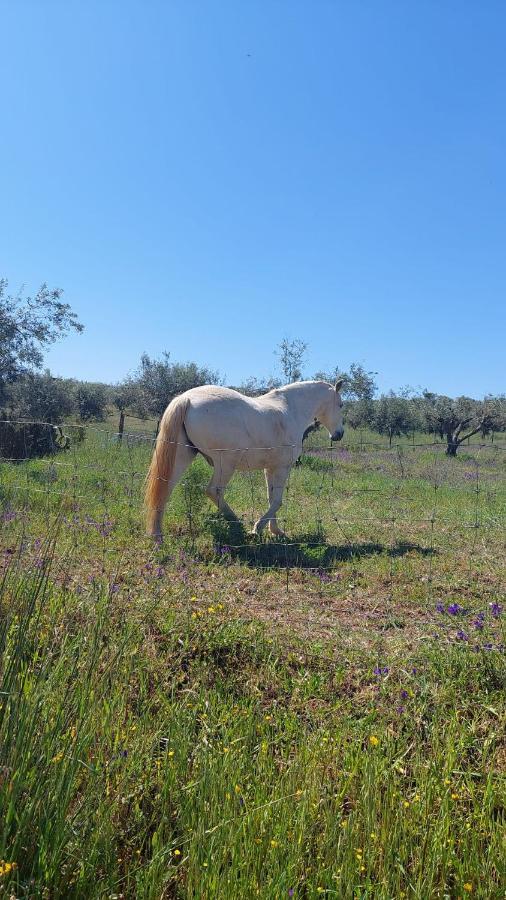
[7, 867]
[58, 758]
[373, 740]
[177, 852]
[468, 887]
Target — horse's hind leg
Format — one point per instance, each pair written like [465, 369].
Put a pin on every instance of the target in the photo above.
[276, 480]
[222, 473]
[185, 455]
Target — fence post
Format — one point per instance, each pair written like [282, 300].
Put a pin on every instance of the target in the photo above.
[121, 426]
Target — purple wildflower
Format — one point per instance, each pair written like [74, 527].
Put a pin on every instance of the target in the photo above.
[323, 575]
[495, 609]
[455, 609]
[461, 636]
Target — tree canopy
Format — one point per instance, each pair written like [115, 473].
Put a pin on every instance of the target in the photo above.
[28, 325]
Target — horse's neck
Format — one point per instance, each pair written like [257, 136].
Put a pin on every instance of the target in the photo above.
[304, 401]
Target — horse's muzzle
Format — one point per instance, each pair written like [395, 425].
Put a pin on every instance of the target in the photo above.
[337, 435]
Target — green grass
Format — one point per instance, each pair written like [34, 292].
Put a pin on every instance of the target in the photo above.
[227, 717]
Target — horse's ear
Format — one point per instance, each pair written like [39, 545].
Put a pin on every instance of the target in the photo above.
[339, 384]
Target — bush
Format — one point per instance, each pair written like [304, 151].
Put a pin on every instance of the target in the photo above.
[35, 405]
[91, 401]
[20, 441]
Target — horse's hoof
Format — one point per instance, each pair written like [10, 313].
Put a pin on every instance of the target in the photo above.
[275, 531]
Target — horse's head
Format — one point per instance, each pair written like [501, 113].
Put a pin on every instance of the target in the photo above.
[331, 411]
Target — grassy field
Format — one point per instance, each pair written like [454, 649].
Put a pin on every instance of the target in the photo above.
[227, 717]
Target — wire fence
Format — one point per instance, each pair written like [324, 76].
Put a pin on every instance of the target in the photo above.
[384, 518]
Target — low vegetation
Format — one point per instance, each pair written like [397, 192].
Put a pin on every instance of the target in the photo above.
[225, 717]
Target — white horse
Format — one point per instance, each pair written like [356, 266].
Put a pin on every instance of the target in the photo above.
[236, 432]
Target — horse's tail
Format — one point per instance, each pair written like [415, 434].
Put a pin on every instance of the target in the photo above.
[162, 462]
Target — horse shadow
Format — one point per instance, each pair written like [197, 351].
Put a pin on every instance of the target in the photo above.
[306, 550]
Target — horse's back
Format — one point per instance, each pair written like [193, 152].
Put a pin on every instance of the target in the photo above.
[220, 418]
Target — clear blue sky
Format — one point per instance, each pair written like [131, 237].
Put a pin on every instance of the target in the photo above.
[208, 177]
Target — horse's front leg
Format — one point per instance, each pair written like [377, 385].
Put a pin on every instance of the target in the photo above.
[276, 480]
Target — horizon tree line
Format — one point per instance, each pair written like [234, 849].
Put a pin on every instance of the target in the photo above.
[28, 325]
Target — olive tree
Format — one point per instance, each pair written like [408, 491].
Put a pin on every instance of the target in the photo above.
[458, 419]
[160, 380]
[394, 415]
[291, 356]
[28, 325]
